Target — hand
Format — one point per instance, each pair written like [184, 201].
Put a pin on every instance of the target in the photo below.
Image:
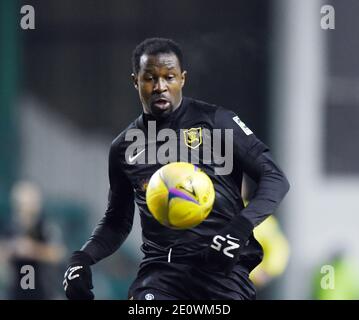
[78, 277]
[223, 252]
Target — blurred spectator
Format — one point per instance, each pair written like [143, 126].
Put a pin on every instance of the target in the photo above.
[30, 240]
[276, 252]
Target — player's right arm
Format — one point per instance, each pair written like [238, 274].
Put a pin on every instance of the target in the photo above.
[109, 234]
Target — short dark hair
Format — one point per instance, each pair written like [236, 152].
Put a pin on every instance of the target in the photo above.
[153, 46]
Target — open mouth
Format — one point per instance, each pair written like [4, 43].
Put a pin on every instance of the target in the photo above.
[161, 103]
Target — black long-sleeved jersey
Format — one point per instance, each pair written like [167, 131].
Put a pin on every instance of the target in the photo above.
[131, 164]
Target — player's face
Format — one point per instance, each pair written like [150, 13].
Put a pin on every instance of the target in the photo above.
[159, 83]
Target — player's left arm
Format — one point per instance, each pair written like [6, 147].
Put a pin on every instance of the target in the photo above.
[255, 159]
[252, 157]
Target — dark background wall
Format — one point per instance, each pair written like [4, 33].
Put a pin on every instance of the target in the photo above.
[78, 59]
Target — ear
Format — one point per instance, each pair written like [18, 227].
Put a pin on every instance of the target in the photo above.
[135, 80]
[183, 77]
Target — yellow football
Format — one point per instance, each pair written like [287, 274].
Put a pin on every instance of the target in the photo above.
[180, 195]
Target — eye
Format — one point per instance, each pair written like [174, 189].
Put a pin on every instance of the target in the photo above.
[170, 77]
[148, 77]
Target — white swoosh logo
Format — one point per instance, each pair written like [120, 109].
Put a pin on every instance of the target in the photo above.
[229, 237]
[133, 158]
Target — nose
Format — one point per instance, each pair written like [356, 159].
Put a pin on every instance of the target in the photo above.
[160, 85]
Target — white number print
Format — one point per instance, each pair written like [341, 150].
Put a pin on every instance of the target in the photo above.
[217, 245]
[70, 275]
[219, 241]
[233, 246]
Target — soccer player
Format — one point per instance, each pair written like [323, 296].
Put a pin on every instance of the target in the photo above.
[214, 259]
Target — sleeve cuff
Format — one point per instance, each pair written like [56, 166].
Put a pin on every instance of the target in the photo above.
[81, 257]
[243, 226]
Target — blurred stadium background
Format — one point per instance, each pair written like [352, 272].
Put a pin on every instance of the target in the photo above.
[66, 92]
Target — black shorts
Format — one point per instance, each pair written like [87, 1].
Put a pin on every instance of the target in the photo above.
[173, 281]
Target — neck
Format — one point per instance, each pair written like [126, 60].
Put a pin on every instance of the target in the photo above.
[178, 105]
